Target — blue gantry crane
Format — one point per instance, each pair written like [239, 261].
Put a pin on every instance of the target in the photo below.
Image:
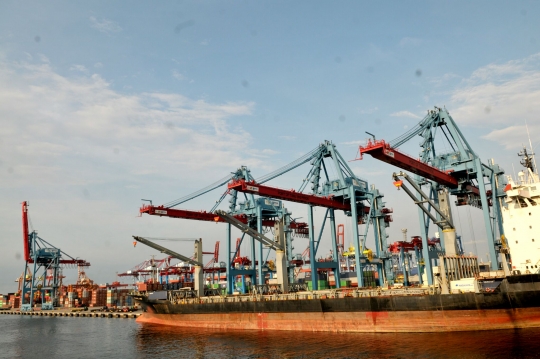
[262, 207]
[42, 273]
[459, 172]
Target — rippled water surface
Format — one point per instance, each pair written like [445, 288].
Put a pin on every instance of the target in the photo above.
[58, 337]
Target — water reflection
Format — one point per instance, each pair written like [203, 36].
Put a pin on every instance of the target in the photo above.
[163, 341]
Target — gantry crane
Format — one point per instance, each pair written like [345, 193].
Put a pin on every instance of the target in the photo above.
[347, 192]
[460, 173]
[42, 273]
[147, 268]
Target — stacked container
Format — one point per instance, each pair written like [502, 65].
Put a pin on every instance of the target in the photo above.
[369, 279]
[14, 301]
[99, 297]
[322, 284]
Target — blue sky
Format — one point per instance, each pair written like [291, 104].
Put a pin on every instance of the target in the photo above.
[105, 103]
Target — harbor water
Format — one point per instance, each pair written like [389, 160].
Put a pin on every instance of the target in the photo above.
[60, 337]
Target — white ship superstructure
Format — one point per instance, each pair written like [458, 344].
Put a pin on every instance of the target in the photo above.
[521, 218]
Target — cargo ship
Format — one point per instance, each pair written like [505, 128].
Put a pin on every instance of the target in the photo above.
[464, 297]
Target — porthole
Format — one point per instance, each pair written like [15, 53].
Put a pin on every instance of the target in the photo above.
[516, 242]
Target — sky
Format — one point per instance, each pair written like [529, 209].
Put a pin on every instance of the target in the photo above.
[105, 103]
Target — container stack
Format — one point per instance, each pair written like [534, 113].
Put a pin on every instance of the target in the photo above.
[119, 298]
[69, 302]
[14, 301]
[111, 297]
[322, 284]
[3, 301]
[369, 279]
[98, 297]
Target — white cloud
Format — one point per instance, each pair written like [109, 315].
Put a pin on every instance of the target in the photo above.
[499, 94]
[44, 58]
[98, 65]
[67, 129]
[80, 68]
[104, 25]
[405, 114]
[515, 137]
[177, 75]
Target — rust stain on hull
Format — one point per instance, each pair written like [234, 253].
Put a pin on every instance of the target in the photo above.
[404, 321]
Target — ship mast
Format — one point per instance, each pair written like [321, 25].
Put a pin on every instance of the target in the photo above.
[535, 170]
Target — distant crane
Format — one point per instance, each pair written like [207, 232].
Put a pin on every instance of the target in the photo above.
[42, 273]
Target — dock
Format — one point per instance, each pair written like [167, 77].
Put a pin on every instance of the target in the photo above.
[78, 314]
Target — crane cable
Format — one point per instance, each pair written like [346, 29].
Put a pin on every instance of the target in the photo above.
[288, 167]
[202, 191]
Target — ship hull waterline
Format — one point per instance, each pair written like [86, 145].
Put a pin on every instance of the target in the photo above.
[423, 313]
[372, 322]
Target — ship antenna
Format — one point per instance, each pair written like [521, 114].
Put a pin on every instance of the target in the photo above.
[535, 169]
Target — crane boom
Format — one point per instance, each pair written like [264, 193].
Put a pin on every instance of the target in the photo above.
[298, 227]
[384, 152]
[288, 195]
[167, 251]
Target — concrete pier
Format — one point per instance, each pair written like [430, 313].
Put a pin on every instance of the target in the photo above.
[70, 313]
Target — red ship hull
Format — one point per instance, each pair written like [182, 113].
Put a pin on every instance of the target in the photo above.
[404, 321]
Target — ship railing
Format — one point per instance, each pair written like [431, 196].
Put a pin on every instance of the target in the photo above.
[177, 295]
[212, 292]
[264, 289]
[297, 287]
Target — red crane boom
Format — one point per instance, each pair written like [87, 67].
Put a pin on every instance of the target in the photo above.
[289, 195]
[383, 152]
[298, 227]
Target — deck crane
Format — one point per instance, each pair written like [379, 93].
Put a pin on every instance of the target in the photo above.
[347, 192]
[460, 173]
[197, 262]
[42, 272]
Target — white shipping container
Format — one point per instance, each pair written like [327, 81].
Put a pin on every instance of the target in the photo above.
[465, 285]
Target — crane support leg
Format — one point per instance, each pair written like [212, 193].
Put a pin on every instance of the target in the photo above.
[260, 249]
[425, 247]
[490, 233]
[334, 248]
[314, 274]
[230, 278]
[358, 250]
